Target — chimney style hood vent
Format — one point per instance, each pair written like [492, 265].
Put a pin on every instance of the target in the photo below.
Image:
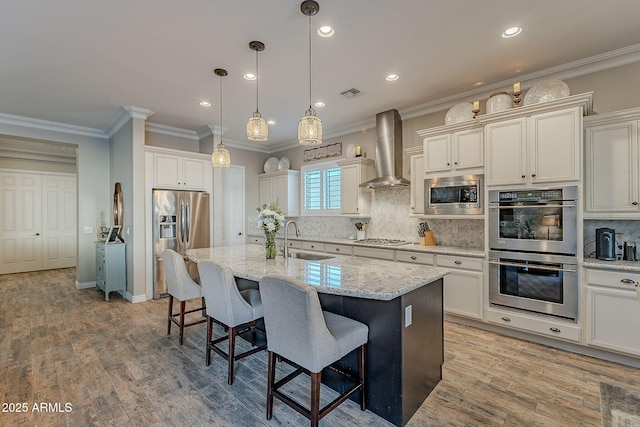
[388, 152]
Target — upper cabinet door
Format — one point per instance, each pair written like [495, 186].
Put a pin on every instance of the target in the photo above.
[166, 171]
[554, 146]
[611, 175]
[468, 149]
[185, 173]
[417, 184]
[506, 152]
[437, 153]
[194, 173]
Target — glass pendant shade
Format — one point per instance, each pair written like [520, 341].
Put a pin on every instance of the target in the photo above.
[257, 129]
[310, 129]
[220, 157]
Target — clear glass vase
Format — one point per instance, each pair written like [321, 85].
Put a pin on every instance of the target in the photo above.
[270, 249]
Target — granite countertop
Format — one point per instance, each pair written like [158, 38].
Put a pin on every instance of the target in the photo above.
[633, 266]
[339, 275]
[444, 250]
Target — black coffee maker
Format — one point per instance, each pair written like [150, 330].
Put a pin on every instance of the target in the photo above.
[606, 244]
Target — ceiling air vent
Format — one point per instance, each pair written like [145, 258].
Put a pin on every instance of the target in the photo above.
[350, 93]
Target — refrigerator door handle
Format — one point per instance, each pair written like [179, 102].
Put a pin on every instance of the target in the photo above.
[188, 222]
[182, 221]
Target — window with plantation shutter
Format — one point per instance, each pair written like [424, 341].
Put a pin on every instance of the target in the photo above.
[321, 189]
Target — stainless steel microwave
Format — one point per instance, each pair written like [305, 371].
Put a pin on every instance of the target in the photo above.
[456, 195]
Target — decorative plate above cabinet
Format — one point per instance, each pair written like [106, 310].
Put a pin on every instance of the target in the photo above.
[271, 165]
[461, 112]
[545, 91]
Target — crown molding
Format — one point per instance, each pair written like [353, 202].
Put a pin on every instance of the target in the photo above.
[578, 68]
[212, 130]
[45, 125]
[171, 131]
[125, 113]
[612, 117]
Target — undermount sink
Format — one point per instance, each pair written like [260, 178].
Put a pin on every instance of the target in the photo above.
[308, 256]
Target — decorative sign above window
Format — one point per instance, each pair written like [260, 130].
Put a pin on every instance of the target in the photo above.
[331, 150]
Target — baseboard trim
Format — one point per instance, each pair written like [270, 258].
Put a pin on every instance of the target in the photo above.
[136, 298]
[85, 285]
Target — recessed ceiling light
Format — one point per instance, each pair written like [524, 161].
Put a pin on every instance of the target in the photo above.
[205, 103]
[392, 77]
[249, 76]
[478, 83]
[511, 32]
[325, 31]
[319, 104]
[271, 122]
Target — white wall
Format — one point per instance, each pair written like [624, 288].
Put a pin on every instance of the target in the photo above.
[92, 178]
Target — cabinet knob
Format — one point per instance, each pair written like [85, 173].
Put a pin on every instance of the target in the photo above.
[523, 176]
[506, 319]
[448, 164]
[634, 203]
[455, 163]
[338, 249]
[457, 262]
[555, 330]
[413, 257]
[533, 175]
[312, 246]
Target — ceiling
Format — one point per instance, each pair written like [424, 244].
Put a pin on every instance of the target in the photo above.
[77, 62]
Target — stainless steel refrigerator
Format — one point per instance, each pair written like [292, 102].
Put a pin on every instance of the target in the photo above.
[180, 222]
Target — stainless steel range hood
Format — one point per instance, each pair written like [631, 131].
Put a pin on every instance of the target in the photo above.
[388, 152]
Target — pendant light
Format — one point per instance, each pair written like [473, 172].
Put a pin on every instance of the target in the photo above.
[257, 129]
[310, 126]
[220, 156]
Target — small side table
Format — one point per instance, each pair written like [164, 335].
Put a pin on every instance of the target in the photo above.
[111, 273]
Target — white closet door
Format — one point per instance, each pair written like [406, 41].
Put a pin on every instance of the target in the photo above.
[20, 222]
[59, 221]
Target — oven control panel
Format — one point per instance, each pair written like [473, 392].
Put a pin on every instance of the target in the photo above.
[513, 196]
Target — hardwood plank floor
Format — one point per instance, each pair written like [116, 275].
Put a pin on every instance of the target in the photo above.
[115, 365]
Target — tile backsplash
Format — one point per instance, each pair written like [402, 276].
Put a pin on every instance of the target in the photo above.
[390, 220]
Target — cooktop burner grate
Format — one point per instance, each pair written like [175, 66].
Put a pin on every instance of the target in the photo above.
[389, 242]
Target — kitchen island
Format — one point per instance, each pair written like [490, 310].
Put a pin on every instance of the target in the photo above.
[400, 303]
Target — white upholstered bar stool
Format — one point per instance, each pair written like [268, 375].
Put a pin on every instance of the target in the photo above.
[235, 309]
[182, 287]
[311, 339]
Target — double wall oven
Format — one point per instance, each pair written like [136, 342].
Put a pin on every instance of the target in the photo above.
[533, 247]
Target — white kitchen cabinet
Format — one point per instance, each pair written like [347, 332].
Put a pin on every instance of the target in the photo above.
[463, 287]
[454, 151]
[355, 201]
[369, 252]
[176, 170]
[283, 187]
[312, 246]
[417, 184]
[334, 248]
[612, 164]
[558, 329]
[613, 310]
[535, 149]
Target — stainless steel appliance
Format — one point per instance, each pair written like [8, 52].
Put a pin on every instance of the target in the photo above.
[542, 283]
[453, 195]
[180, 222]
[536, 220]
[606, 244]
[629, 251]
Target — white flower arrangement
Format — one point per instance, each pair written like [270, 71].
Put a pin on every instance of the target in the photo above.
[270, 218]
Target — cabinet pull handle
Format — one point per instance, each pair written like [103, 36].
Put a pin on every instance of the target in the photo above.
[555, 330]
[338, 249]
[634, 203]
[457, 262]
[506, 319]
[413, 257]
[455, 163]
[628, 281]
[523, 176]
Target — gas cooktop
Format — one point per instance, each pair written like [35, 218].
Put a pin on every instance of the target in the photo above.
[389, 242]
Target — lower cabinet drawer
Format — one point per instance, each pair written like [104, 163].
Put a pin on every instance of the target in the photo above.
[313, 246]
[415, 257]
[293, 244]
[460, 262]
[256, 240]
[550, 328]
[337, 249]
[374, 253]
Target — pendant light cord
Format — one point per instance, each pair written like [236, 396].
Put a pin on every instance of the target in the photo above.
[310, 62]
[257, 83]
[221, 128]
